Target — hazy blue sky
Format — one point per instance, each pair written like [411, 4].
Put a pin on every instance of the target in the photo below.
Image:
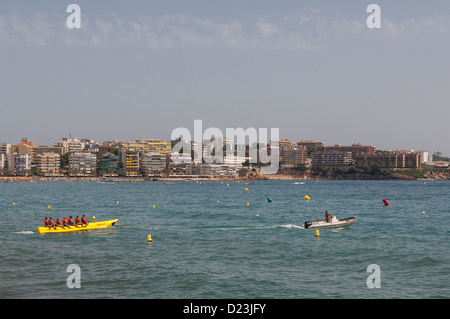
[139, 69]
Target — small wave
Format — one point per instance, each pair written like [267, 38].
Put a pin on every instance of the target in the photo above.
[24, 232]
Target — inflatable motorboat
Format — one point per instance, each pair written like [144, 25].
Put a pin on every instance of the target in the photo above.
[333, 223]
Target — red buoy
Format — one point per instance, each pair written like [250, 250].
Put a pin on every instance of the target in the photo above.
[385, 202]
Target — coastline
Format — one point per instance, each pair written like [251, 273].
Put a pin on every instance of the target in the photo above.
[427, 175]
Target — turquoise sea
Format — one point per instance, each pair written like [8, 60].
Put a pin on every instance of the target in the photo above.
[228, 250]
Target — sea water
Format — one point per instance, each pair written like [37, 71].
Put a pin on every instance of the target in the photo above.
[207, 242]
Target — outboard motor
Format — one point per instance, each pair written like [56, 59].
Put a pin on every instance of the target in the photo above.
[307, 224]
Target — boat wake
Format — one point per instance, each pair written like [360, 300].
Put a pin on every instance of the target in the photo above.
[291, 226]
[24, 232]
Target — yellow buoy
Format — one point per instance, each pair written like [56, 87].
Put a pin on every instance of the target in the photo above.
[218, 202]
[14, 204]
[248, 204]
[246, 189]
[317, 233]
[149, 238]
[93, 217]
[48, 207]
[117, 203]
[423, 213]
[154, 205]
[228, 185]
[307, 197]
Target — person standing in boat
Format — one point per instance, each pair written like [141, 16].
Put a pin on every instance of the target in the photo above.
[328, 216]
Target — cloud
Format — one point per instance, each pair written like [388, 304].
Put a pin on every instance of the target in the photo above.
[291, 31]
[267, 29]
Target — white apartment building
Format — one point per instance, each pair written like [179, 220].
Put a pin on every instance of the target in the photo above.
[2, 161]
[71, 145]
[48, 163]
[152, 163]
[5, 148]
[82, 164]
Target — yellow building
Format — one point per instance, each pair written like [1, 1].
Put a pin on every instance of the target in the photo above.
[130, 152]
[131, 163]
[147, 146]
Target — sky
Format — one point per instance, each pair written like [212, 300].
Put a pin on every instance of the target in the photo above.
[313, 69]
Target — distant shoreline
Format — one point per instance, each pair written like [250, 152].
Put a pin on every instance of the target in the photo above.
[305, 177]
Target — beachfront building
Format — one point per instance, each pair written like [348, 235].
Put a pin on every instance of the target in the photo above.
[70, 145]
[131, 152]
[2, 161]
[425, 156]
[390, 159]
[131, 163]
[292, 157]
[153, 164]
[27, 147]
[234, 160]
[108, 164]
[47, 164]
[315, 144]
[146, 146]
[286, 144]
[5, 148]
[331, 159]
[178, 170]
[82, 164]
[24, 147]
[355, 149]
[39, 150]
[211, 170]
[19, 164]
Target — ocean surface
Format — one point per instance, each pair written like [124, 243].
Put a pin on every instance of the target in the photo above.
[202, 248]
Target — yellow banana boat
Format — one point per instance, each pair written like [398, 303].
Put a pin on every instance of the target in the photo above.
[93, 225]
